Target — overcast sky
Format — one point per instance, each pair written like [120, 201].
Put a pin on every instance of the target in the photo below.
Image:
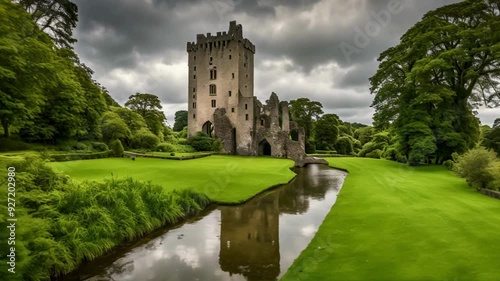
[324, 50]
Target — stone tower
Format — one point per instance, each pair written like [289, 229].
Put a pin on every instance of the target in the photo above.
[221, 76]
[221, 100]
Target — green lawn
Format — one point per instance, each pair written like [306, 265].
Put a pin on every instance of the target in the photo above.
[225, 179]
[393, 222]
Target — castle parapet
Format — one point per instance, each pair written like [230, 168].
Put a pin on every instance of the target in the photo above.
[235, 33]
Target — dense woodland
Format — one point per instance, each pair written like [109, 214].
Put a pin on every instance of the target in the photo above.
[426, 90]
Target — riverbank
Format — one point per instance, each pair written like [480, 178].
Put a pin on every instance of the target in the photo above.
[224, 179]
[394, 222]
[111, 201]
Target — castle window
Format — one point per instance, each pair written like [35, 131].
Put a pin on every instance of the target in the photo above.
[229, 56]
[194, 105]
[229, 93]
[247, 75]
[194, 116]
[194, 76]
[246, 117]
[246, 106]
[232, 110]
[213, 74]
[194, 68]
[233, 75]
[194, 58]
[214, 103]
[262, 122]
[211, 59]
[194, 96]
[213, 90]
[245, 64]
[245, 86]
[194, 90]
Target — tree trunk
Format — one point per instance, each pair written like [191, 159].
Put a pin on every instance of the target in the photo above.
[5, 126]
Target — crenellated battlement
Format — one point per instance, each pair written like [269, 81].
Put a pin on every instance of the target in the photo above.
[221, 39]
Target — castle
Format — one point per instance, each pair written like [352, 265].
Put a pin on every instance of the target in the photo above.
[222, 104]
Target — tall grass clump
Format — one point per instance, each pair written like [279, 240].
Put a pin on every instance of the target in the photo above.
[65, 223]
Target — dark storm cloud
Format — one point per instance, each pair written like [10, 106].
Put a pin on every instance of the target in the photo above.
[139, 45]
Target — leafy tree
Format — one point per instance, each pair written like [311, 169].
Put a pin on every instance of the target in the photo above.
[305, 112]
[427, 85]
[181, 120]
[364, 134]
[327, 131]
[113, 127]
[26, 66]
[492, 137]
[344, 146]
[149, 107]
[57, 18]
[133, 119]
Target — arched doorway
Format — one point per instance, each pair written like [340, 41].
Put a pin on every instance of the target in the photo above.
[208, 128]
[264, 148]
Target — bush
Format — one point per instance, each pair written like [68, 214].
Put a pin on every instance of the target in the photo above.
[376, 154]
[117, 148]
[99, 146]
[479, 167]
[448, 164]
[145, 139]
[216, 146]
[182, 141]
[165, 147]
[344, 146]
[202, 142]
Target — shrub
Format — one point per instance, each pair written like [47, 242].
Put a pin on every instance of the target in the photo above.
[216, 146]
[344, 146]
[202, 142]
[145, 139]
[376, 154]
[478, 168]
[99, 146]
[182, 141]
[117, 148]
[165, 147]
[448, 164]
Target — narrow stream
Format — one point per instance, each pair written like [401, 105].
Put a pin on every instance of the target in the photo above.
[257, 240]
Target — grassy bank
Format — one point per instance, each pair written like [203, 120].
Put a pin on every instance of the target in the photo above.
[224, 179]
[393, 222]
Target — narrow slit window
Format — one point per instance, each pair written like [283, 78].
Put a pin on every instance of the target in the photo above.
[246, 106]
[233, 75]
[194, 116]
[194, 105]
[230, 93]
[232, 110]
[214, 103]
[213, 74]
[229, 56]
[246, 117]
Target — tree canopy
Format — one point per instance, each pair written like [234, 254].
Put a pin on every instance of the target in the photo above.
[427, 86]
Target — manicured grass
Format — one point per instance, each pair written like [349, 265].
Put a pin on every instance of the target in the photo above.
[393, 222]
[224, 179]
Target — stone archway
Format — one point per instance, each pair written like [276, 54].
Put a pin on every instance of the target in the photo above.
[208, 128]
[265, 148]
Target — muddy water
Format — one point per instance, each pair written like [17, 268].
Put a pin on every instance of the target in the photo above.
[254, 241]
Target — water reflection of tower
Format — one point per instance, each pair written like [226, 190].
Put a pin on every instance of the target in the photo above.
[250, 239]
